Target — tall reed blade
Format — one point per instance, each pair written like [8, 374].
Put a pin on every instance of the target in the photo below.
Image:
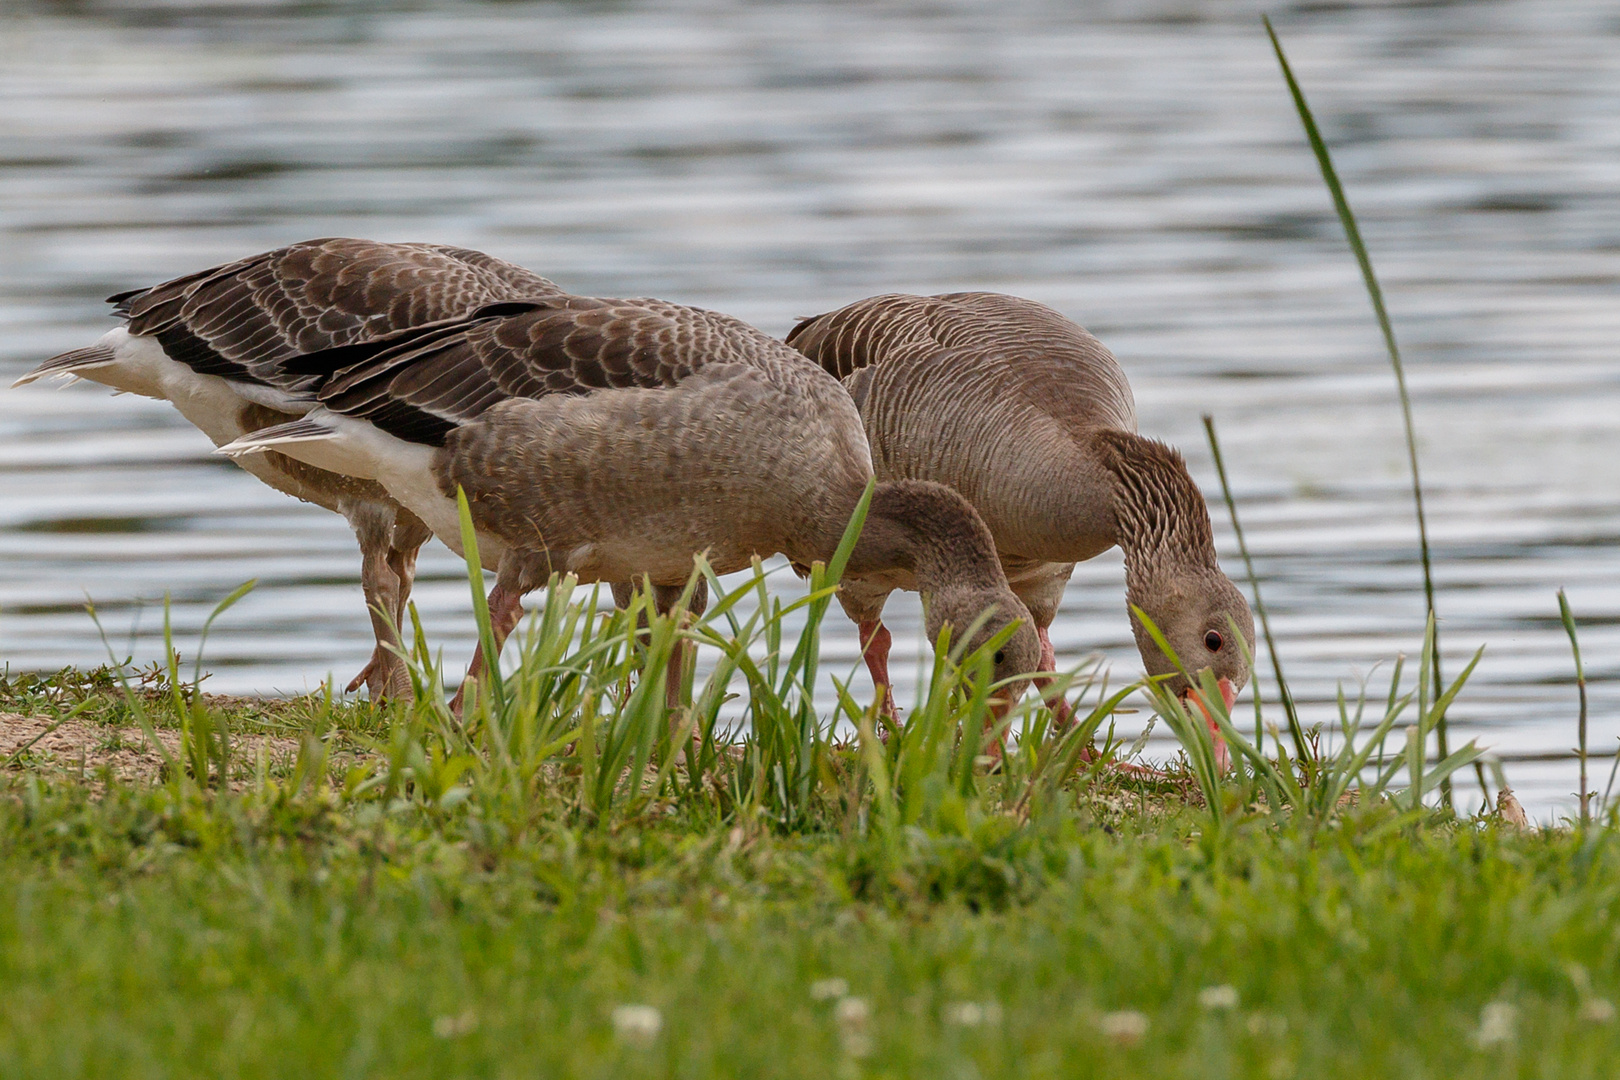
[1294, 729]
[1580, 682]
[1352, 233]
[492, 691]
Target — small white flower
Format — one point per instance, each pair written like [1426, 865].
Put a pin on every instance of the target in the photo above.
[1218, 997]
[637, 1023]
[450, 1027]
[1126, 1027]
[1496, 1024]
[853, 1012]
[1597, 1010]
[828, 989]
[972, 1013]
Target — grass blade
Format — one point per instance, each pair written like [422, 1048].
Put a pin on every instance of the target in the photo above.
[491, 691]
[1352, 233]
[1294, 729]
[1580, 681]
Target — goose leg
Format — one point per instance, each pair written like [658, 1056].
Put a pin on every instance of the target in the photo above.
[1063, 718]
[373, 528]
[409, 536]
[1062, 714]
[505, 609]
[665, 598]
[875, 644]
[684, 654]
[863, 602]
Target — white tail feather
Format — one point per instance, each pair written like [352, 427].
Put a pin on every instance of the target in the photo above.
[68, 364]
[297, 431]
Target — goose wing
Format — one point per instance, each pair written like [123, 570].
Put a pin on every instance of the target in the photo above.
[866, 332]
[1029, 351]
[420, 384]
[245, 320]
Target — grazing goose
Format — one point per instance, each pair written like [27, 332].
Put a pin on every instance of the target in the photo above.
[1031, 418]
[614, 439]
[215, 343]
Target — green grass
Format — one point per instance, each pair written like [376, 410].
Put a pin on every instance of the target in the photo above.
[147, 933]
[577, 881]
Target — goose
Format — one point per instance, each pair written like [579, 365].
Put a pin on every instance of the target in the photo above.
[1031, 418]
[615, 439]
[214, 344]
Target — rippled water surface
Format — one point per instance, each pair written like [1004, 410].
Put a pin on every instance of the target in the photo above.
[1134, 164]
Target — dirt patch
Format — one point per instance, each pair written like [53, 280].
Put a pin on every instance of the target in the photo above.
[127, 751]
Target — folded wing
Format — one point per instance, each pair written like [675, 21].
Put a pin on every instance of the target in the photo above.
[247, 320]
[419, 384]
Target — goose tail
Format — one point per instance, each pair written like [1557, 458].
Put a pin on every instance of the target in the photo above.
[69, 364]
[296, 431]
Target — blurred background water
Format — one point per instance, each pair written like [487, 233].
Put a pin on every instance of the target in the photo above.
[1134, 163]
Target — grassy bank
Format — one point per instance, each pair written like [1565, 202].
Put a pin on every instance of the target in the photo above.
[576, 881]
[151, 931]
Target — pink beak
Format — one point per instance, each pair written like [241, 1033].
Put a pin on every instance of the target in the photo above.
[1000, 706]
[1223, 758]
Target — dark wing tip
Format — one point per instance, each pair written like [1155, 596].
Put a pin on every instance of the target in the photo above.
[505, 308]
[328, 361]
[122, 300]
[802, 327]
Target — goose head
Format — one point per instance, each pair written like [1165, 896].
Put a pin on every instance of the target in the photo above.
[1172, 575]
[1201, 615]
[962, 606]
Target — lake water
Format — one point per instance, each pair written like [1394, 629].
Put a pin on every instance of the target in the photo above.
[1136, 164]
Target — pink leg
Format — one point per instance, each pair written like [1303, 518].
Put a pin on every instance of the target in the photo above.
[381, 584]
[1062, 715]
[875, 642]
[505, 609]
[678, 657]
[1129, 768]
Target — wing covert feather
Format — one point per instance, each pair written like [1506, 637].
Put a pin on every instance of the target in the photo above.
[420, 383]
[1046, 359]
[248, 319]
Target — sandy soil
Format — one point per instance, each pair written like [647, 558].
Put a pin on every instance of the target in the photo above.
[125, 749]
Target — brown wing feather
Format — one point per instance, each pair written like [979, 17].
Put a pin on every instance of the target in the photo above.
[1044, 357]
[245, 320]
[863, 333]
[420, 384]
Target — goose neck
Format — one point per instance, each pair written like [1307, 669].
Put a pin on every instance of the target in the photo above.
[930, 531]
[1161, 522]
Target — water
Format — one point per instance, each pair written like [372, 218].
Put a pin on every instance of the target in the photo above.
[1134, 164]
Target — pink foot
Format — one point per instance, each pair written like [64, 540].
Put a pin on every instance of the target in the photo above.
[875, 643]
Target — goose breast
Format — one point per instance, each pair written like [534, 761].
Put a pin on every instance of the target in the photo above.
[734, 460]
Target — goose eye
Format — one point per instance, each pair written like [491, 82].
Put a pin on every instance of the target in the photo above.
[1213, 641]
[1000, 657]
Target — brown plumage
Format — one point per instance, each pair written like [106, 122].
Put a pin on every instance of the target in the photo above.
[615, 439]
[1032, 419]
[245, 320]
[220, 345]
